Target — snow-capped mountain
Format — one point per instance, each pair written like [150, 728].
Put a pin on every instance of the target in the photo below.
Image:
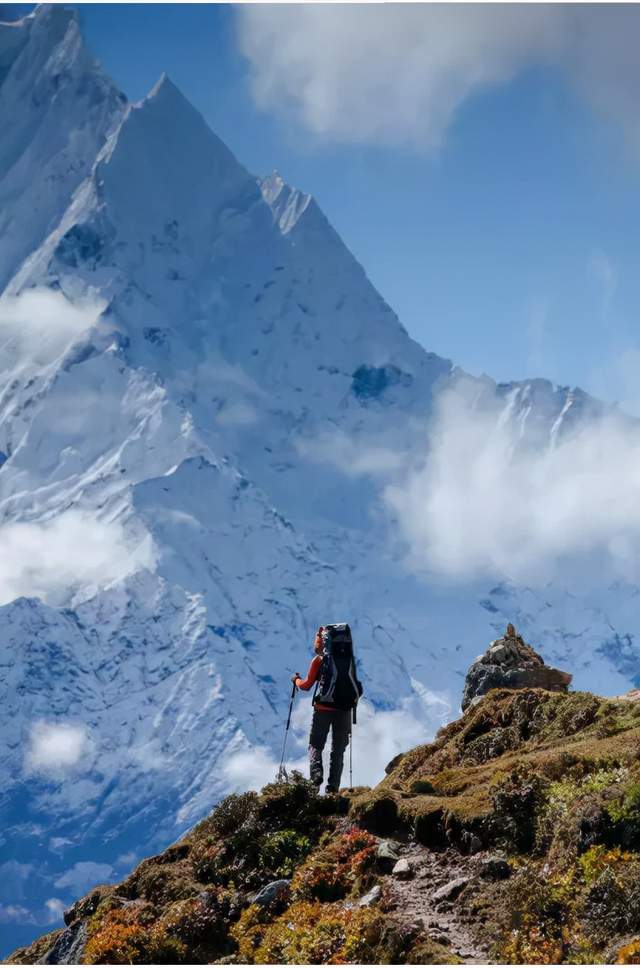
[200, 395]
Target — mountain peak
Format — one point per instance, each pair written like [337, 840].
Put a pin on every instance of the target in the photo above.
[45, 14]
[165, 88]
[56, 112]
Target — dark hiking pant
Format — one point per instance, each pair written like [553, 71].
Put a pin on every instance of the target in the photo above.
[339, 722]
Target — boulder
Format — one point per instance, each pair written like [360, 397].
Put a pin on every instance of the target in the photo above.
[371, 898]
[450, 890]
[86, 906]
[509, 663]
[495, 868]
[272, 894]
[402, 869]
[386, 856]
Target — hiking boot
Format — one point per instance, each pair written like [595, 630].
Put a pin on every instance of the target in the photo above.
[330, 791]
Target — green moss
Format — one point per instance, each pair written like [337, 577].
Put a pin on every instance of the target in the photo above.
[376, 813]
[282, 851]
[421, 787]
[626, 809]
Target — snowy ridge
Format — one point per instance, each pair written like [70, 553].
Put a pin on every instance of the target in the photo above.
[214, 419]
[67, 108]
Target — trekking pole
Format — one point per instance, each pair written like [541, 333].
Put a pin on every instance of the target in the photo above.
[282, 773]
[351, 758]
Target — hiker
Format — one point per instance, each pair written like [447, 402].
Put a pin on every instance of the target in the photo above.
[337, 691]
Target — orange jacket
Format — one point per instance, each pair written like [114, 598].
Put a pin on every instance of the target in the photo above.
[312, 676]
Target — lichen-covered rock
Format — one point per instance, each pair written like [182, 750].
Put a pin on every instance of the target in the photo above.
[386, 856]
[274, 894]
[509, 663]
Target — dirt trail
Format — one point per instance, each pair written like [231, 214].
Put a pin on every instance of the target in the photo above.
[420, 899]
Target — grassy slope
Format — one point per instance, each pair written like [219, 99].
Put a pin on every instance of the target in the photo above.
[552, 781]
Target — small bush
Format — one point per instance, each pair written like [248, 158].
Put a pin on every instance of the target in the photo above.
[629, 954]
[230, 814]
[626, 809]
[282, 851]
[599, 859]
[293, 805]
[251, 838]
[132, 935]
[530, 945]
[340, 865]
[541, 917]
[201, 924]
[517, 801]
[313, 933]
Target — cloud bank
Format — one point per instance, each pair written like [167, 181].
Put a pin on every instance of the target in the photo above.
[378, 736]
[55, 747]
[37, 326]
[483, 504]
[354, 456]
[84, 874]
[398, 73]
[73, 551]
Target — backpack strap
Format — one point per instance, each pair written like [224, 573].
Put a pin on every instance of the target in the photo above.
[318, 678]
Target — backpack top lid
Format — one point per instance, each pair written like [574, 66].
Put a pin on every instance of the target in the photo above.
[338, 633]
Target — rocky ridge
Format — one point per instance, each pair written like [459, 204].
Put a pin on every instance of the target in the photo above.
[513, 838]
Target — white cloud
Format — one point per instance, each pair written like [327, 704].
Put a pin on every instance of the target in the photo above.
[354, 456]
[83, 875]
[37, 326]
[378, 736]
[148, 756]
[484, 504]
[251, 769]
[13, 877]
[398, 73]
[54, 908]
[57, 844]
[72, 551]
[15, 914]
[55, 747]
[239, 414]
[620, 371]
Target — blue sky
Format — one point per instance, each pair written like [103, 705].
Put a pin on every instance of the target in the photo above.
[511, 248]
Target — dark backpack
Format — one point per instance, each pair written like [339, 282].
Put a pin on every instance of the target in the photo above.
[338, 684]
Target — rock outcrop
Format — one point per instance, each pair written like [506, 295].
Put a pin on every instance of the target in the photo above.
[509, 663]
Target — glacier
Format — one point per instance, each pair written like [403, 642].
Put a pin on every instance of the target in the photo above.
[199, 390]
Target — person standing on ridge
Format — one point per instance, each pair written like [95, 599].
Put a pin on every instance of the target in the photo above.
[336, 695]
